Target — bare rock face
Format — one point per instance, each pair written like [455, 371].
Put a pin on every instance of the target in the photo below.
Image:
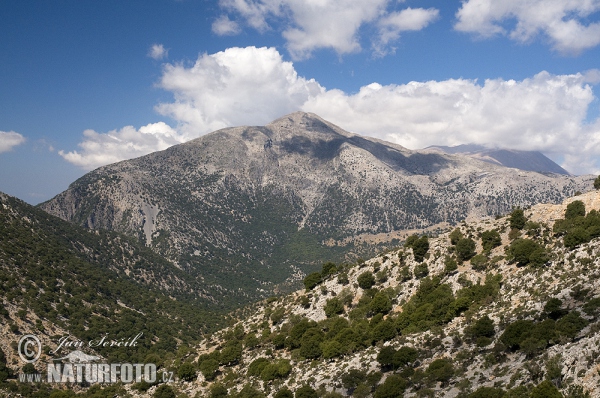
[255, 202]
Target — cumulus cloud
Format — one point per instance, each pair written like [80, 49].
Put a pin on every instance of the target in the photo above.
[9, 140]
[234, 87]
[311, 25]
[408, 19]
[158, 52]
[564, 23]
[224, 26]
[242, 86]
[253, 86]
[98, 149]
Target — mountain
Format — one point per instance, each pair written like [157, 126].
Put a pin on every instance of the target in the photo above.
[249, 210]
[58, 279]
[522, 160]
[504, 307]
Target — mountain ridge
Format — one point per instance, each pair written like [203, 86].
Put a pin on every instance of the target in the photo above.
[259, 202]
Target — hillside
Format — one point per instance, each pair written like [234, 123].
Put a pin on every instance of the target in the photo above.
[248, 210]
[57, 279]
[504, 307]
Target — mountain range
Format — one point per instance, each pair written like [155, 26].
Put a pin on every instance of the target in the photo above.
[249, 210]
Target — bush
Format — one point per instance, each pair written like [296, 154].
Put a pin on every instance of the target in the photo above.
[527, 251]
[312, 280]
[392, 387]
[208, 368]
[575, 209]
[490, 239]
[256, 367]
[451, 265]
[164, 391]
[218, 391]
[487, 392]
[333, 307]
[545, 390]
[186, 371]
[421, 271]
[479, 262]
[366, 280]
[465, 249]
[284, 392]
[483, 327]
[455, 236]
[380, 303]
[306, 391]
[597, 183]
[420, 248]
[517, 219]
[440, 370]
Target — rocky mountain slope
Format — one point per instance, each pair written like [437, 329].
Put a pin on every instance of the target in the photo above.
[58, 279]
[523, 160]
[247, 209]
[500, 307]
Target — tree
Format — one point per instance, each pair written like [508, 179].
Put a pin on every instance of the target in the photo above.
[209, 368]
[306, 391]
[164, 391]
[392, 387]
[312, 280]
[440, 370]
[328, 268]
[218, 391]
[575, 209]
[284, 392]
[465, 249]
[527, 251]
[366, 280]
[333, 306]
[455, 236]
[490, 239]
[381, 303]
[420, 248]
[597, 183]
[421, 270]
[483, 327]
[545, 390]
[487, 392]
[186, 371]
[517, 219]
[553, 308]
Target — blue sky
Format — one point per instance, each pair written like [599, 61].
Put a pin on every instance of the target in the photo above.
[85, 83]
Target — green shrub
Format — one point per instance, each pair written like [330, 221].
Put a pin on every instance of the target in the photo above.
[393, 387]
[164, 391]
[479, 262]
[487, 392]
[306, 391]
[440, 370]
[490, 239]
[380, 303]
[465, 249]
[366, 280]
[451, 265]
[455, 236]
[545, 390]
[333, 307]
[575, 209]
[186, 371]
[517, 219]
[312, 280]
[421, 270]
[526, 251]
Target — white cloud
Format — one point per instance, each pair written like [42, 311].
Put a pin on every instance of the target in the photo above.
[408, 19]
[565, 23]
[158, 52]
[9, 140]
[98, 149]
[316, 24]
[223, 26]
[253, 86]
[233, 87]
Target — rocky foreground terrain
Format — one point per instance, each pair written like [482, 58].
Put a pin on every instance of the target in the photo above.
[245, 210]
[501, 307]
